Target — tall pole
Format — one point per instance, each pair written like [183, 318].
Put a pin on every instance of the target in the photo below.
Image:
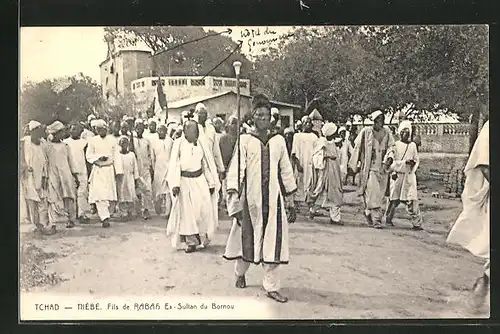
[237, 66]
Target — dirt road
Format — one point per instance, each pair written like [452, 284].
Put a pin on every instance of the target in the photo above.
[335, 272]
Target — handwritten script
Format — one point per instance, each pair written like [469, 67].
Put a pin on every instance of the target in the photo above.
[261, 37]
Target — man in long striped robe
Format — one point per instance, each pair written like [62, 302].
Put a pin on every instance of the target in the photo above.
[260, 226]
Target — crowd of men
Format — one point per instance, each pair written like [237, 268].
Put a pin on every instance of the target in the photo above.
[188, 171]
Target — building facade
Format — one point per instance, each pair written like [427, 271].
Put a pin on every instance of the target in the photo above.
[118, 72]
[178, 88]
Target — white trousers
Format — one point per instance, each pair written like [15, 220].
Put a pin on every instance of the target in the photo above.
[103, 209]
[334, 212]
[271, 281]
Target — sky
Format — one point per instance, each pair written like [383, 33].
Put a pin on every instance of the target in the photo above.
[51, 52]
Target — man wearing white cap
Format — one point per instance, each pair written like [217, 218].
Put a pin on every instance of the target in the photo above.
[403, 181]
[275, 120]
[62, 176]
[302, 151]
[87, 133]
[326, 187]
[374, 148]
[207, 137]
[143, 153]
[150, 133]
[34, 173]
[161, 149]
[102, 185]
[472, 228]
[77, 147]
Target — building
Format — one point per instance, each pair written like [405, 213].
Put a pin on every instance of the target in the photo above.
[223, 105]
[128, 77]
[118, 73]
[178, 88]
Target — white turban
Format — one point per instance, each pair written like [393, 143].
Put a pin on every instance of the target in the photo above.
[151, 120]
[299, 123]
[122, 138]
[304, 119]
[93, 123]
[90, 118]
[348, 123]
[337, 140]
[404, 125]
[342, 128]
[32, 125]
[180, 127]
[54, 127]
[100, 123]
[275, 111]
[138, 121]
[288, 130]
[199, 107]
[329, 129]
[375, 114]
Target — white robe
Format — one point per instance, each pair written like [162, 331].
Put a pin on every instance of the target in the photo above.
[191, 212]
[265, 176]
[102, 184]
[161, 150]
[472, 228]
[302, 147]
[404, 188]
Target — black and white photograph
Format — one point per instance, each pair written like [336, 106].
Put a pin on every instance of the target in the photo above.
[254, 172]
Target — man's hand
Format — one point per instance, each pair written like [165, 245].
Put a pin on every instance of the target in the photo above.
[411, 163]
[222, 176]
[103, 158]
[291, 214]
[45, 182]
[29, 169]
[76, 180]
[299, 168]
[119, 177]
[152, 172]
[332, 158]
[389, 162]
[176, 191]
[212, 190]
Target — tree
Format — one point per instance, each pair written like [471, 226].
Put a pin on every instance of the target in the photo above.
[197, 58]
[41, 101]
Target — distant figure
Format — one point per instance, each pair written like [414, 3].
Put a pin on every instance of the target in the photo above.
[62, 178]
[403, 181]
[302, 151]
[326, 186]
[127, 176]
[472, 228]
[346, 150]
[374, 149]
[161, 150]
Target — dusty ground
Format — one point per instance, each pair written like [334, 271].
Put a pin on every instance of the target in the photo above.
[336, 272]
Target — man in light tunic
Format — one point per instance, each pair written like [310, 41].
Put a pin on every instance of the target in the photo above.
[102, 185]
[61, 178]
[374, 148]
[151, 132]
[161, 149]
[207, 137]
[143, 153]
[127, 175]
[77, 147]
[192, 180]
[472, 228]
[345, 151]
[403, 181]
[302, 151]
[34, 174]
[326, 186]
[266, 185]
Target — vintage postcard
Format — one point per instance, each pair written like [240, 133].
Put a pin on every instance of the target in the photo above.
[254, 173]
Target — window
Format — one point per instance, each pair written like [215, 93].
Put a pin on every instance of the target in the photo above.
[143, 84]
[162, 82]
[217, 83]
[112, 69]
[153, 83]
[230, 83]
[183, 82]
[243, 84]
[197, 82]
[116, 83]
[172, 82]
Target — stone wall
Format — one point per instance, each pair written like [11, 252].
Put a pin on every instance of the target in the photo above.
[442, 138]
